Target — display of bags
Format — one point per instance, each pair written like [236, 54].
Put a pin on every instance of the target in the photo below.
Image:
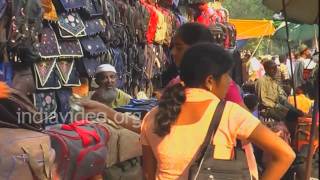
[80, 149]
[25, 154]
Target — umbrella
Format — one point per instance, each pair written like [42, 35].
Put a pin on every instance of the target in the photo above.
[297, 32]
[301, 11]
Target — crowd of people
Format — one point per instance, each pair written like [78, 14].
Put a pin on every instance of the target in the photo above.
[172, 133]
[187, 103]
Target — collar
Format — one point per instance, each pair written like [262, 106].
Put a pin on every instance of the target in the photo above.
[198, 95]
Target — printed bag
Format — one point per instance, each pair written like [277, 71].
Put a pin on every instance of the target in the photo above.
[80, 149]
[68, 73]
[71, 25]
[49, 47]
[46, 75]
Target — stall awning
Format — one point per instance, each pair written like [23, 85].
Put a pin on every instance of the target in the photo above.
[247, 29]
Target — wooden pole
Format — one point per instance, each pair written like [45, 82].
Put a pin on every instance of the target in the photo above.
[289, 51]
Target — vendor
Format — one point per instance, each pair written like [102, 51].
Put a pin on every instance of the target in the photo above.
[108, 93]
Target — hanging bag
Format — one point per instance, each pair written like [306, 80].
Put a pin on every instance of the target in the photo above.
[208, 168]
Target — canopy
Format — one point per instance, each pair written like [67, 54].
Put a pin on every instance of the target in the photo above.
[247, 29]
[300, 11]
[297, 32]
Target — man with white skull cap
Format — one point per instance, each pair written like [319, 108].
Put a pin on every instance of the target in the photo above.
[108, 93]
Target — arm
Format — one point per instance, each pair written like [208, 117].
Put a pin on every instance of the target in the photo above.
[281, 152]
[149, 163]
[117, 117]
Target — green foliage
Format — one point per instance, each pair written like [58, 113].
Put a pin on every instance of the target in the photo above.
[247, 9]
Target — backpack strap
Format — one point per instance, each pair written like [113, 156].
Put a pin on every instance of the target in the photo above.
[212, 128]
[42, 172]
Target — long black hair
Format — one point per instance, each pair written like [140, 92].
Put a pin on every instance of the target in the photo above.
[199, 62]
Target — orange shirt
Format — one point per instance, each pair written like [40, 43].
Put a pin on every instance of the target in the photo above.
[176, 151]
[304, 104]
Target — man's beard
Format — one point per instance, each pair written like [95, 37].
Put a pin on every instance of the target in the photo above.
[108, 95]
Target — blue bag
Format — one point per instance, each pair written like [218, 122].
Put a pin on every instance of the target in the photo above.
[138, 108]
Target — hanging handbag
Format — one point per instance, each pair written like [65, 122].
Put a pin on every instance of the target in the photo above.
[49, 47]
[94, 26]
[93, 7]
[207, 167]
[67, 72]
[46, 75]
[71, 25]
[93, 45]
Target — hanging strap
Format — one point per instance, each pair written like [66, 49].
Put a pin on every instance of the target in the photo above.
[83, 133]
[212, 128]
[40, 171]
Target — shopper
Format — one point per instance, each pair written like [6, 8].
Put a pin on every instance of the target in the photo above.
[172, 133]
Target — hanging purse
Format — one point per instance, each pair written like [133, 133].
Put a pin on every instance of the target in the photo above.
[70, 48]
[95, 26]
[63, 96]
[206, 167]
[45, 102]
[93, 8]
[90, 65]
[68, 73]
[71, 25]
[69, 4]
[46, 75]
[94, 45]
[49, 47]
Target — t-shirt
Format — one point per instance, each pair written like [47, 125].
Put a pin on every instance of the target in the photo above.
[304, 104]
[176, 151]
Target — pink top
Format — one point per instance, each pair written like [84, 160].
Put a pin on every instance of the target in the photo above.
[233, 93]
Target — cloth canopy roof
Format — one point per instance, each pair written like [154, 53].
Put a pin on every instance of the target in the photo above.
[247, 29]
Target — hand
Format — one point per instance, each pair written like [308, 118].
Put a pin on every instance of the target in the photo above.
[91, 106]
[4, 90]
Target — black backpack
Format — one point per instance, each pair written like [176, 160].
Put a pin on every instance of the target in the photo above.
[206, 167]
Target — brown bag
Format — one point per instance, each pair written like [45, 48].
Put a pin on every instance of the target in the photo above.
[18, 111]
[25, 155]
[129, 145]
